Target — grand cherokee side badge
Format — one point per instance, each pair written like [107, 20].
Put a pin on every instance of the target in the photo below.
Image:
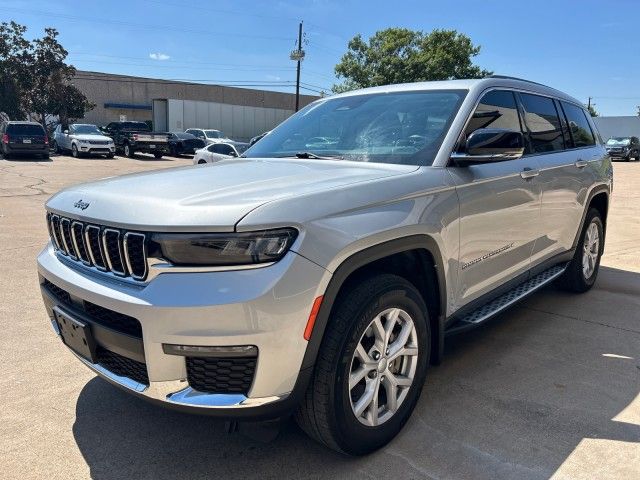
[81, 205]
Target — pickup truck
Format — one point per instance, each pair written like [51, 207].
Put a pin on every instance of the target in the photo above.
[132, 137]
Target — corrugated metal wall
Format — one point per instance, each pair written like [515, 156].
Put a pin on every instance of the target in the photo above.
[238, 122]
[618, 126]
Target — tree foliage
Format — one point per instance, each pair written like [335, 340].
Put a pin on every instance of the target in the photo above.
[592, 110]
[400, 55]
[34, 78]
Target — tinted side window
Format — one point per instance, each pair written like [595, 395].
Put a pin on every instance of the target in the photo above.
[543, 124]
[579, 125]
[226, 149]
[497, 109]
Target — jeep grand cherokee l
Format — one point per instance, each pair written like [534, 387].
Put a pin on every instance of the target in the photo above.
[319, 274]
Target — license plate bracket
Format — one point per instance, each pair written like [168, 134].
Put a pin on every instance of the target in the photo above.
[76, 335]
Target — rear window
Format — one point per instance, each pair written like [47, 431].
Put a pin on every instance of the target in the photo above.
[543, 124]
[138, 126]
[579, 125]
[25, 129]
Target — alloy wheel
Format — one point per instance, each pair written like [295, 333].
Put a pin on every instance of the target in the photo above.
[590, 250]
[383, 367]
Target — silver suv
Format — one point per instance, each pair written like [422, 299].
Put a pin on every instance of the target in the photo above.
[320, 273]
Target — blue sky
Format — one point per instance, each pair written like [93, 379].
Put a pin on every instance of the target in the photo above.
[583, 47]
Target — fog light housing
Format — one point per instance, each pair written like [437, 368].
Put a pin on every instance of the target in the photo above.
[210, 351]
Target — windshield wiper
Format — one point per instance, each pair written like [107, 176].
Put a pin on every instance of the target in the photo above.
[315, 156]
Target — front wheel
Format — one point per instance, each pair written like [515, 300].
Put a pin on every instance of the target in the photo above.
[157, 155]
[582, 271]
[370, 368]
[74, 151]
[128, 151]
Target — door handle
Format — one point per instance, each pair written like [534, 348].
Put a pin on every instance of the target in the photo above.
[581, 163]
[528, 173]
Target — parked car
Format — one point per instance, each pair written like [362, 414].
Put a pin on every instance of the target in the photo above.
[624, 148]
[209, 135]
[258, 137]
[82, 139]
[131, 137]
[219, 151]
[23, 138]
[323, 281]
[180, 143]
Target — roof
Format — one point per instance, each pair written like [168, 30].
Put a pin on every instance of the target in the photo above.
[476, 85]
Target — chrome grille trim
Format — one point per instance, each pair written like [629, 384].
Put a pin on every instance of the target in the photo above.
[79, 244]
[65, 232]
[107, 255]
[101, 265]
[118, 253]
[57, 237]
[128, 257]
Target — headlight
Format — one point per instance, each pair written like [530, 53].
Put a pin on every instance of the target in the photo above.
[222, 248]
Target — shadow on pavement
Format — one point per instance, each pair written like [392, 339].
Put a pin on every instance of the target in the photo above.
[512, 399]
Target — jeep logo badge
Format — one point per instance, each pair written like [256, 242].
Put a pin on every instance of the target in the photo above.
[81, 205]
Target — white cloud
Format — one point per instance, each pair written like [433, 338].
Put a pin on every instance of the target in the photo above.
[159, 56]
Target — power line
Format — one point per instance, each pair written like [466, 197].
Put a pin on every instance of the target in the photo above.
[187, 66]
[92, 20]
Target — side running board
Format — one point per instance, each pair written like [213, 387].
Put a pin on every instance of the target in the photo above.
[504, 301]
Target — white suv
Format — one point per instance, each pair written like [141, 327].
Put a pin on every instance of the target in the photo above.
[82, 139]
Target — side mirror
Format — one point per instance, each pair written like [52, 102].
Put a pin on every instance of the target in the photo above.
[487, 145]
[233, 154]
[66, 132]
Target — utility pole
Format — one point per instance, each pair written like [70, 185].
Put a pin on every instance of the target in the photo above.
[298, 55]
[589, 104]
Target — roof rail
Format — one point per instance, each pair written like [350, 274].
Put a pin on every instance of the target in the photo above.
[507, 77]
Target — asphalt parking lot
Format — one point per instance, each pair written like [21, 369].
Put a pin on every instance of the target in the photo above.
[549, 389]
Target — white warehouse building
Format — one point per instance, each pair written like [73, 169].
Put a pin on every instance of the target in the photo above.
[236, 121]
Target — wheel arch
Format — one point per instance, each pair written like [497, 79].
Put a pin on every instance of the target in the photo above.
[599, 199]
[427, 276]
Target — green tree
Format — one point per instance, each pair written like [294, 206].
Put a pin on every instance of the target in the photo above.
[400, 55]
[592, 110]
[35, 77]
[15, 58]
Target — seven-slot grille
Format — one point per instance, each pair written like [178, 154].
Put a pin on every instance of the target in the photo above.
[107, 249]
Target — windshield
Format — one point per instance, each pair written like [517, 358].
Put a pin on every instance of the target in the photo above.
[213, 134]
[241, 148]
[86, 130]
[404, 128]
[618, 141]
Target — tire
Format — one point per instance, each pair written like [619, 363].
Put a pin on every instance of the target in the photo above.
[111, 155]
[157, 155]
[201, 162]
[74, 151]
[56, 148]
[45, 156]
[327, 412]
[577, 278]
[128, 151]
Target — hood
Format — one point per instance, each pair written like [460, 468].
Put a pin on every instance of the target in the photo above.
[90, 136]
[211, 197]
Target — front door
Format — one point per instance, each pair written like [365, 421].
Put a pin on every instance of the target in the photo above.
[499, 207]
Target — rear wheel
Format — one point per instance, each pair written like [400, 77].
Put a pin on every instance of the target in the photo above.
[56, 148]
[157, 155]
[582, 271]
[371, 367]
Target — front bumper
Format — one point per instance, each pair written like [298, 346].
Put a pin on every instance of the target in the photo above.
[97, 149]
[265, 307]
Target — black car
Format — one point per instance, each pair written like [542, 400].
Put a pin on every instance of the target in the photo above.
[624, 148]
[23, 138]
[180, 143]
[131, 137]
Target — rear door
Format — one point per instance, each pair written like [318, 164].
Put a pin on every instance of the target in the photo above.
[566, 178]
[499, 206]
[548, 140]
